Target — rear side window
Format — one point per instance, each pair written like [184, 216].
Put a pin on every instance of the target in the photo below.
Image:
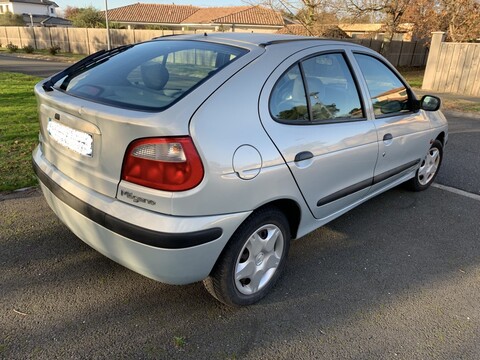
[318, 89]
[288, 100]
[152, 75]
[389, 95]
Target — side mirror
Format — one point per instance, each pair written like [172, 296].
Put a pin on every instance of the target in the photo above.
[430, 103]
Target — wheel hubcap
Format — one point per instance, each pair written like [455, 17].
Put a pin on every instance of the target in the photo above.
[429, 166]
[259, 259]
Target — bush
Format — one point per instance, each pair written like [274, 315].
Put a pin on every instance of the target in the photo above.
[28, 49]
[12, 48]
[53, 50]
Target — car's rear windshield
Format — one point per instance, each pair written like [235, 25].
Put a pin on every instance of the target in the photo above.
[150, 76]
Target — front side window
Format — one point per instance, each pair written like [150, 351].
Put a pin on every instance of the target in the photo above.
[317, 89]
[150, 76]
[389, 95]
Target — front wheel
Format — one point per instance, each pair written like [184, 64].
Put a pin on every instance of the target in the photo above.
[429, 167]
[253, 259]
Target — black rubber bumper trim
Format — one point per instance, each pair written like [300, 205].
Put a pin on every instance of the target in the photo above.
[133, 232]
[396, 171]
[366, 183]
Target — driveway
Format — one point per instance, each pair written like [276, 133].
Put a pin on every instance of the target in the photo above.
[396, 278]
[35, 67]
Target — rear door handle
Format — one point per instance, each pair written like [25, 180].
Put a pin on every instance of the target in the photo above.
[387, 137]
[304, 155]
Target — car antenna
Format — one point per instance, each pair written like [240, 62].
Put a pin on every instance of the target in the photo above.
[204, 34]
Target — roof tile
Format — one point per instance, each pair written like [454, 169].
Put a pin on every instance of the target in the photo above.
[187, 14]
[208, 15]
[255, 15]
[152, 13]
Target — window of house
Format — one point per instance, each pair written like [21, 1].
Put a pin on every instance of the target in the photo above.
[389, 95]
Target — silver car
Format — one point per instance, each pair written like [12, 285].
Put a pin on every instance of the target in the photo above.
[201, 157]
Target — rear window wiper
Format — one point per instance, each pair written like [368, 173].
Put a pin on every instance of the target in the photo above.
[84, 64]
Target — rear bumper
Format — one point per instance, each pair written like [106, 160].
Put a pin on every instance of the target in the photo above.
[170, 249]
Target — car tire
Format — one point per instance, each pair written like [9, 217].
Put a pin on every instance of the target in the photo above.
[428, 169]
[253, 259]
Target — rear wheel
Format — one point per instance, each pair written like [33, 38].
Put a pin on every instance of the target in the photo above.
[253, 259]
[428, 169]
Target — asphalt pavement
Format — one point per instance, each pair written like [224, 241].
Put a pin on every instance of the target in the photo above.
[35, 67]
[396, 278]
[461, 165]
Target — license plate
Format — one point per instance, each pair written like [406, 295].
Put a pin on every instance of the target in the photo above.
[75, 140]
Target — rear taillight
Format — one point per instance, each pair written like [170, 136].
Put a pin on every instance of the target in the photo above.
[170, 164]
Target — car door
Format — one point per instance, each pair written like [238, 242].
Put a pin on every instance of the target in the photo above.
[403, 130]
[311, 109]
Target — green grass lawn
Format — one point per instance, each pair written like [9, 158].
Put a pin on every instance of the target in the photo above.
[413, 75]
[18, 130]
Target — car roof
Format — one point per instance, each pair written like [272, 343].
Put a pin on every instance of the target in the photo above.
[248, 39]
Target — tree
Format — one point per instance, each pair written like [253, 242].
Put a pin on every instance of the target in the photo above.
[309, 13]
[9, 19]
[460, 19]
[88, 17]
[71, 12]
[388, 11]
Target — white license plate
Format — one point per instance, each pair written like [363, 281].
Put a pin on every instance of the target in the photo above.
[75, 140]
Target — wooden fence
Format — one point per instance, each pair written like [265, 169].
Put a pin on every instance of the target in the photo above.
[399, 53]
[88, 41]
[453, 67]
[76, 40]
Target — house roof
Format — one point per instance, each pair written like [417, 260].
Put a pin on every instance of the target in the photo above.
[372, 28]
[187, 14]
[208, 15]
[36, 2]
[362, 27]
[151, 13]
[329, 31]
[45, 20]
[255, 15]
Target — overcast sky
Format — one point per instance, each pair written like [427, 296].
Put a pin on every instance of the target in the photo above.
[99, 4]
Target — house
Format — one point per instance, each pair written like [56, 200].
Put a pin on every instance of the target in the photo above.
[34, 12]
[377, 31]
[34, 7]
[328, 31]
[191, 18]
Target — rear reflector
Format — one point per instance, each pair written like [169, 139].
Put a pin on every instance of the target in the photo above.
[170, 164]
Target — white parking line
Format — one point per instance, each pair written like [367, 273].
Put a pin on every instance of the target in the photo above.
[457, 191]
